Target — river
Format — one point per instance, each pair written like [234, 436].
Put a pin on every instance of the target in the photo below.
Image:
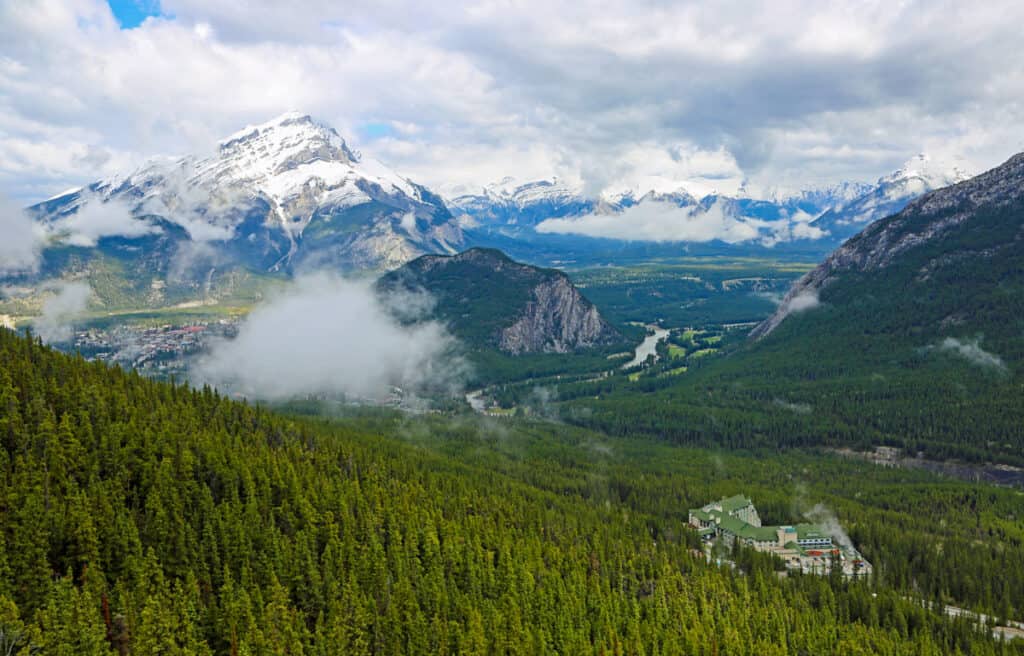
[647, 347]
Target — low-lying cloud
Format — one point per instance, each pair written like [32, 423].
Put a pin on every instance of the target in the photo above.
[324, 335]
[661, 221]
[97, 218]
[805, 300]
[798, 408]
[192, 258]
[657, 221]
[971, 351]
[21, 239]
[792, 229]
[205, 214]
[61, 310]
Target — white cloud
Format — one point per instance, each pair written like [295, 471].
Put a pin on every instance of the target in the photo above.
[193, 259]
[663, 221]
[805, 300]
[650, 166]
[205, 216]
[96, 219]
[60, 311]
[971, 351]
[19, 247]
[791, 229]
[408, 223]
[325, 335]
[782, 95]
[657, 221]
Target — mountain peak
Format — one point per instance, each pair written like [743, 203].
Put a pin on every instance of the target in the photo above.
[288, 118]
[287, 141]
[936, 172]
[918, 176]
[267, 183]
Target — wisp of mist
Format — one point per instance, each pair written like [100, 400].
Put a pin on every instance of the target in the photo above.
[324, 335]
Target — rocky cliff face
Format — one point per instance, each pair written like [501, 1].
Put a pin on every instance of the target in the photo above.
[492, 301]
[558, 319]
[924, 221]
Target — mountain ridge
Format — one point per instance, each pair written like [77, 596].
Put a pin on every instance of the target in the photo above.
[890, 194]
[925, 219]
[489, 299]
[812, 218]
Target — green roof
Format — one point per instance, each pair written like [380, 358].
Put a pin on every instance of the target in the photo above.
[747, 531]
[734, 503]
[700, 514]
[742, 529]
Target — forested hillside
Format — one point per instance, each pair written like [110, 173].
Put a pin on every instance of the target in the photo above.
[139, 517]
[911, 334]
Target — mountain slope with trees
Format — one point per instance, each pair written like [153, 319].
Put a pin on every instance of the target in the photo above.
[911, 334]
[141, 517]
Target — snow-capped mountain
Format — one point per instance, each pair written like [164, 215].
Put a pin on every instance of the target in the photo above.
[285, 194]
[824, 198]
[510, 202]
[817, 218]
[510, 209]
[890, 194]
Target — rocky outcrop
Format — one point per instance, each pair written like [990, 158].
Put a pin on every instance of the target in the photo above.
[557, 320]
[491, 301]
[922, 221]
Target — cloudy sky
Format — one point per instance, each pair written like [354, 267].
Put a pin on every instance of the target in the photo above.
[790, 94]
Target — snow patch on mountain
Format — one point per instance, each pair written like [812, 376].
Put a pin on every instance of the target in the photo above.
[269, 182]
[891, 193]
[659, 209]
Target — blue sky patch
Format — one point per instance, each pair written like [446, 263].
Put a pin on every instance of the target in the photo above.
[377, 130]
[131, 13]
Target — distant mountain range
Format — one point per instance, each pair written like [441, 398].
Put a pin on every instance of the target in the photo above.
[517, 204]
[822, 218]
[888, 196]
[490, 301]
